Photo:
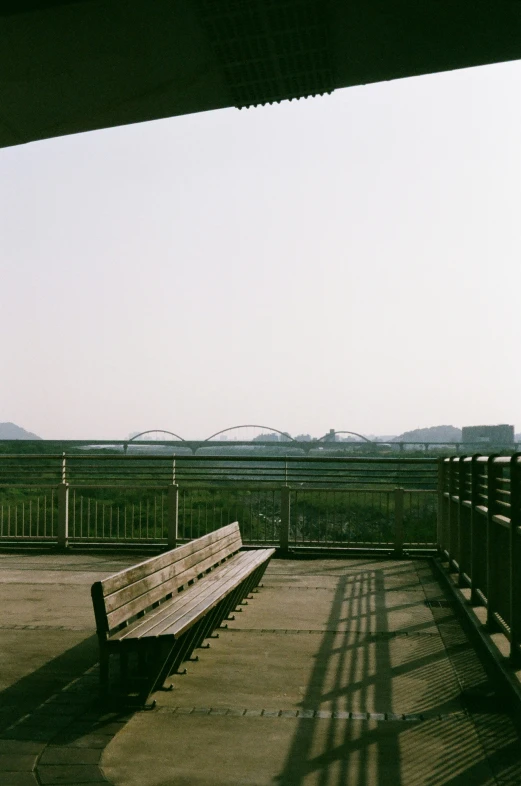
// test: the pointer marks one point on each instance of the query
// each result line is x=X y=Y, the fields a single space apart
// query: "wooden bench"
x=164 y=608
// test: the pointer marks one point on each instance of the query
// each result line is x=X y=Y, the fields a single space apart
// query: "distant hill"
x=432 y=434
x=12 y=431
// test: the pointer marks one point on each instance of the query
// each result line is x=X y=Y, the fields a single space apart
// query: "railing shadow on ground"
x=382 y=748
x=338 y=743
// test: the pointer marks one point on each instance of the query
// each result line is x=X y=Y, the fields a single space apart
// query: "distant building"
x=489 y=435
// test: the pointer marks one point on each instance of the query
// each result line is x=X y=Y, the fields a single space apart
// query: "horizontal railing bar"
x=257 y=470
x=29 y=486
x=226 y=458
x=480 y=459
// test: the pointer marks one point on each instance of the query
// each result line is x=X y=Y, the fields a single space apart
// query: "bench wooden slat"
x=176 y=574
x=175 y=605
x=220 y=591
x=157 y=620
x=215 y=591
x=158 y=594
x=136 y=572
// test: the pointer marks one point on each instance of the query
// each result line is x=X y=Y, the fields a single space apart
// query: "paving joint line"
x=45 y=627
x=309 y=713
x=333 y=589
x=384 y=635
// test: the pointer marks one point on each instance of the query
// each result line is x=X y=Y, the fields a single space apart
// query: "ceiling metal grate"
x=270 y=50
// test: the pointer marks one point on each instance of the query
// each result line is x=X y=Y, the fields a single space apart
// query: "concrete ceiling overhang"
x=68 y=66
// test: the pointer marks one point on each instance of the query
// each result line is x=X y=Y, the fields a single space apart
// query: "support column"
x=491 y=593
x=173 y=515
x=439 y=519
x=475 y=543
x=398 y=522
x=515 y=559
x=63 y=507
x=285 y=512
x=63 y=516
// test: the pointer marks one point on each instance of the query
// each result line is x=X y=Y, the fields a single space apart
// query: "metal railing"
x=112 y=470
x=293 y=502
x=32 y=515
x=479 y=531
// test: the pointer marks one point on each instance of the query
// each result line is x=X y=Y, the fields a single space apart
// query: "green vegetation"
x=340 y=517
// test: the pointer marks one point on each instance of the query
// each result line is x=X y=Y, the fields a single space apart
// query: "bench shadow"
x=29 y=692
x=58 y=705
x=361 y=750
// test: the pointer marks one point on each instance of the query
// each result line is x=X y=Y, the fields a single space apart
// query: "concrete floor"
x=336 y=672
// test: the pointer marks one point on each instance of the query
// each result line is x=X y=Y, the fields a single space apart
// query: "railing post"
x=63 y=508
x=398 y=522
x=461 y=514
x=515 y=558
x=173 y=515
x=474 y=524
x=285 y=512
x=451 y=523
x=439 y=518
x=492 y=475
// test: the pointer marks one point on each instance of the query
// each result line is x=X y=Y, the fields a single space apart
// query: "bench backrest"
x=120 y=597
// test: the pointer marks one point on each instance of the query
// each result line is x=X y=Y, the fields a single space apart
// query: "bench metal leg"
x=228 y=605
x=187 y=643
x=103 y=671
x=158 y=655
x=166 y=651
x=123 y=669
x=247 y=586
x=205 y=626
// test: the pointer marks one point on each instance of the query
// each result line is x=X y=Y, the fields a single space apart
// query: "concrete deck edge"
x=496 y=664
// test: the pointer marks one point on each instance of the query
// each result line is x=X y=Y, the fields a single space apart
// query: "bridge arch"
x=353 y=433
x=251 y=425
x=156 y=431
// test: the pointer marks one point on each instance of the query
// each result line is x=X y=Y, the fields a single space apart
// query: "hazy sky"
x=348 y=262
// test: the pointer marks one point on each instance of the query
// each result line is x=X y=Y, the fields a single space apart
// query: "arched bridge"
x=156 y=431
x=270 y=429
x=173 y=440
x=334 y=433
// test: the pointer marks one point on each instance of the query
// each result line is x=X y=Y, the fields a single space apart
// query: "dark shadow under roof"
x=75 y=65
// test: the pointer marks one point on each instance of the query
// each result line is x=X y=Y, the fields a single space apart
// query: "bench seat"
x=165 y=607
x=176 y=615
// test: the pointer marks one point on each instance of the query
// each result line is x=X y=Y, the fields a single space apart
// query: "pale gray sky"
x=348 y=262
